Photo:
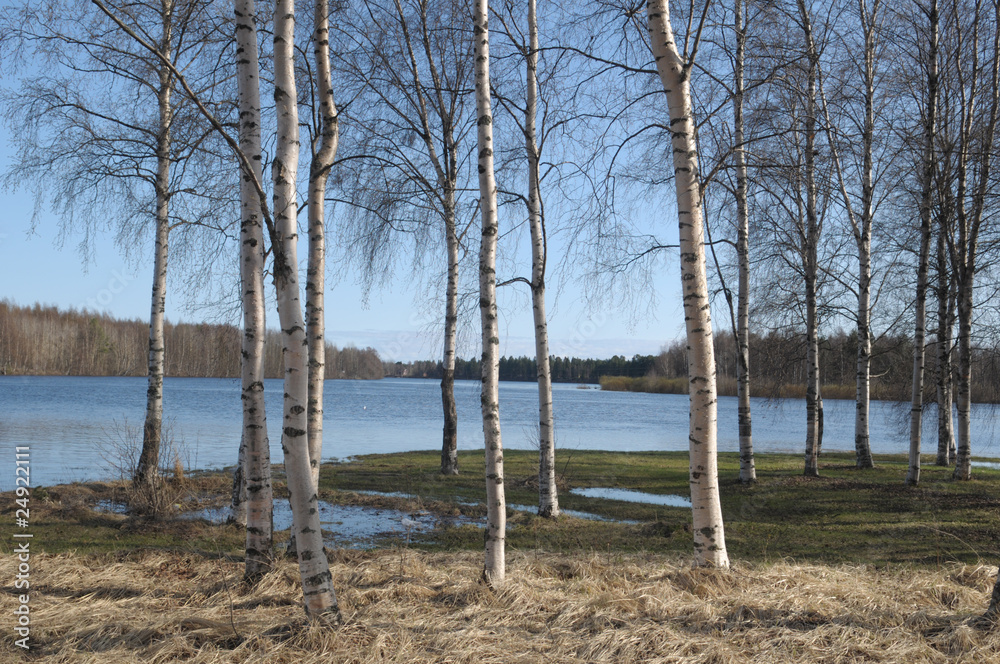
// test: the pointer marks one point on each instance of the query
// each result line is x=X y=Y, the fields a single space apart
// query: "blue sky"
x=37 y=265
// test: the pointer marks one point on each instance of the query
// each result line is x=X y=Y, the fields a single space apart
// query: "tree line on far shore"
x=46 y=341
x=780 y=358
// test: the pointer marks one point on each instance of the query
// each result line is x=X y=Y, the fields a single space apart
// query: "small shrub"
x=121 y=451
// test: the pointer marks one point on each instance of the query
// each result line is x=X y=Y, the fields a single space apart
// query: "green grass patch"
x=845 y=515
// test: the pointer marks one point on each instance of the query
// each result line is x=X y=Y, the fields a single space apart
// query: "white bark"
x=494 y=569
x=239 y=497
x=548 y=500
x=926 y=210
x=319 y=173
x=257 y=455
x=809 y=254
x=317 y=584
x=748 y=472
x=946 y=428
x=147 y=470
x=977 y=143
x=863 y=239
x=449 y=440
x=675 y=71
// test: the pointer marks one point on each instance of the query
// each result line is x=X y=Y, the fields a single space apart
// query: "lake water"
x=67 y=421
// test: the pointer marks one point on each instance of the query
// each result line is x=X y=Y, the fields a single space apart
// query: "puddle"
x=388 y=494
x=111 y=506
x=516 y=508
x=349 y=526
x=579 y=515
x=628 y=495
x=995 y=465
x=344 y=526
x=357 y=527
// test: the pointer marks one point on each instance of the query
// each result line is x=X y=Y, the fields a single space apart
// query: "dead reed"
x=409 y=606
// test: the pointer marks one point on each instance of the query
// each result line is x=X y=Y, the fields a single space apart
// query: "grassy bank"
x=844 y=516
x=851 y=566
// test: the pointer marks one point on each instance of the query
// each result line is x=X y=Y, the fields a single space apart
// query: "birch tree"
x=409 y=65
x=527 y=47
x=255 y=457
x=317 y=584
x=674 y=69
x=975 y=71
x=100 y=121
x=494 y=569
x=810 y=240
x=324 y=153
x=748 y=472
x=930 y=64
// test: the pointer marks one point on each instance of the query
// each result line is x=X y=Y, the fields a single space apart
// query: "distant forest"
x=45 y=341
x=564 y=369
x=39 y=340
x=777 y=361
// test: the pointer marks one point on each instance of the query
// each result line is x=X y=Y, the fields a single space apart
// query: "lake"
x=68 y=421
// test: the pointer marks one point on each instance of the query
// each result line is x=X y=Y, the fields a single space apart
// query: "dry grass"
x=406 y=606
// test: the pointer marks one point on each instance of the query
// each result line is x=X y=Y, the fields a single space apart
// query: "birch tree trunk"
x=946 y=430
x=319 y=172
x=257 y=454
x=317 y=584
x=810 y=241
x=809 y=259
x=748 y=472
x=494 y=569
x=977 y=142
x=548 y=500
x=863 y=238
x=449 y=441
x=147 y=470
x=963 y=460
x=675 y=72
x=238 y=495
x=926 y=209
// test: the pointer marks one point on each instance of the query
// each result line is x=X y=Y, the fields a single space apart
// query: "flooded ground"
x=631 y=496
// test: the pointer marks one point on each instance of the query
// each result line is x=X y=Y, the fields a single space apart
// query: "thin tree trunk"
x=319 y=173
x=494 y=569
x=147 y=470
x=963 y=460
x=809 y=261
x=317 y=584
x=748 y=472
x=548 y=500
x=946 y=430
x=449 y=442
x=926 y=209
x=257 y=457
x=819 y=418
x=863 y=237
x=978 y=139
x=862 y=442
x=675 y=71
